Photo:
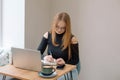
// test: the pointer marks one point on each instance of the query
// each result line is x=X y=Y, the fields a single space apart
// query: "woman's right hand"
x=49 y=58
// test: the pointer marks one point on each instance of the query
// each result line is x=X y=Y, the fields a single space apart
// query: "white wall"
x=37 y=13
x=96 y=23
x=99 y=39
x=13 y=23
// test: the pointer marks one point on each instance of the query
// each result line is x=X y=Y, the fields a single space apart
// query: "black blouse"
x=57 y=51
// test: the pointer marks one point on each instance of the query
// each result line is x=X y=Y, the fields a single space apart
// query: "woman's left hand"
x=60 y=61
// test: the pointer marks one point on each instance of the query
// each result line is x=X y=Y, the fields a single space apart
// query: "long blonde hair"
x=66 y=40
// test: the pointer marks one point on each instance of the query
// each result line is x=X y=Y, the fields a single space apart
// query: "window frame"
x=0 y=23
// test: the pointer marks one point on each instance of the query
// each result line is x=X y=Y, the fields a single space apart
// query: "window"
x=12 y=23
x=0 y=23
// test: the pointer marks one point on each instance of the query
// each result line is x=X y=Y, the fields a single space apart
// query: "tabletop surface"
x=10 y=70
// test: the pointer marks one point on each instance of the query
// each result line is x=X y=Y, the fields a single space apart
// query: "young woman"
x=62 y=44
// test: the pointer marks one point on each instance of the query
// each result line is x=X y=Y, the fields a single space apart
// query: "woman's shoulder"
x=46 y=34
x=74 y=39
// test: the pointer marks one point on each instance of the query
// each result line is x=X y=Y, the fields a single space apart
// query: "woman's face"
x=61 y=27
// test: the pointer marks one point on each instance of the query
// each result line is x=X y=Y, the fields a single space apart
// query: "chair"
x=78 y=67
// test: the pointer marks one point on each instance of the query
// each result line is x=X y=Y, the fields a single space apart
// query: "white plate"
x=48 y=63
x=47 y=76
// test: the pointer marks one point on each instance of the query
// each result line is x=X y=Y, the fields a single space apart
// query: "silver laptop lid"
x=26 y=59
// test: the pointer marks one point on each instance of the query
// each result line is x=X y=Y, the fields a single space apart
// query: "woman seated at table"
x=62 y=44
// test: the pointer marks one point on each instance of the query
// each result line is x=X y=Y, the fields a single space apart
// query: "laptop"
x=26 y=59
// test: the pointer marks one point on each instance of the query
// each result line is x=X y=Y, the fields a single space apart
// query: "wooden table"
x=10 y=70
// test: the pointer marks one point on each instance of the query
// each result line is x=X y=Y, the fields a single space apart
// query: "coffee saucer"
x=47 y=76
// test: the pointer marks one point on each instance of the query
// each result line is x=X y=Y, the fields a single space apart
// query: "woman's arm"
x=74 y=51
x=43 y=43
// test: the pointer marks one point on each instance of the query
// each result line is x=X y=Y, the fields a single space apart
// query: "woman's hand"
x=60 y=61
x=49 y=58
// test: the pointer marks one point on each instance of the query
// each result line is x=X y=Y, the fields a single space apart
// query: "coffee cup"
x=47 y=70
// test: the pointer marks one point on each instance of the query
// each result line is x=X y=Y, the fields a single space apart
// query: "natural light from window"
x=13 y=23
x=0 y=23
